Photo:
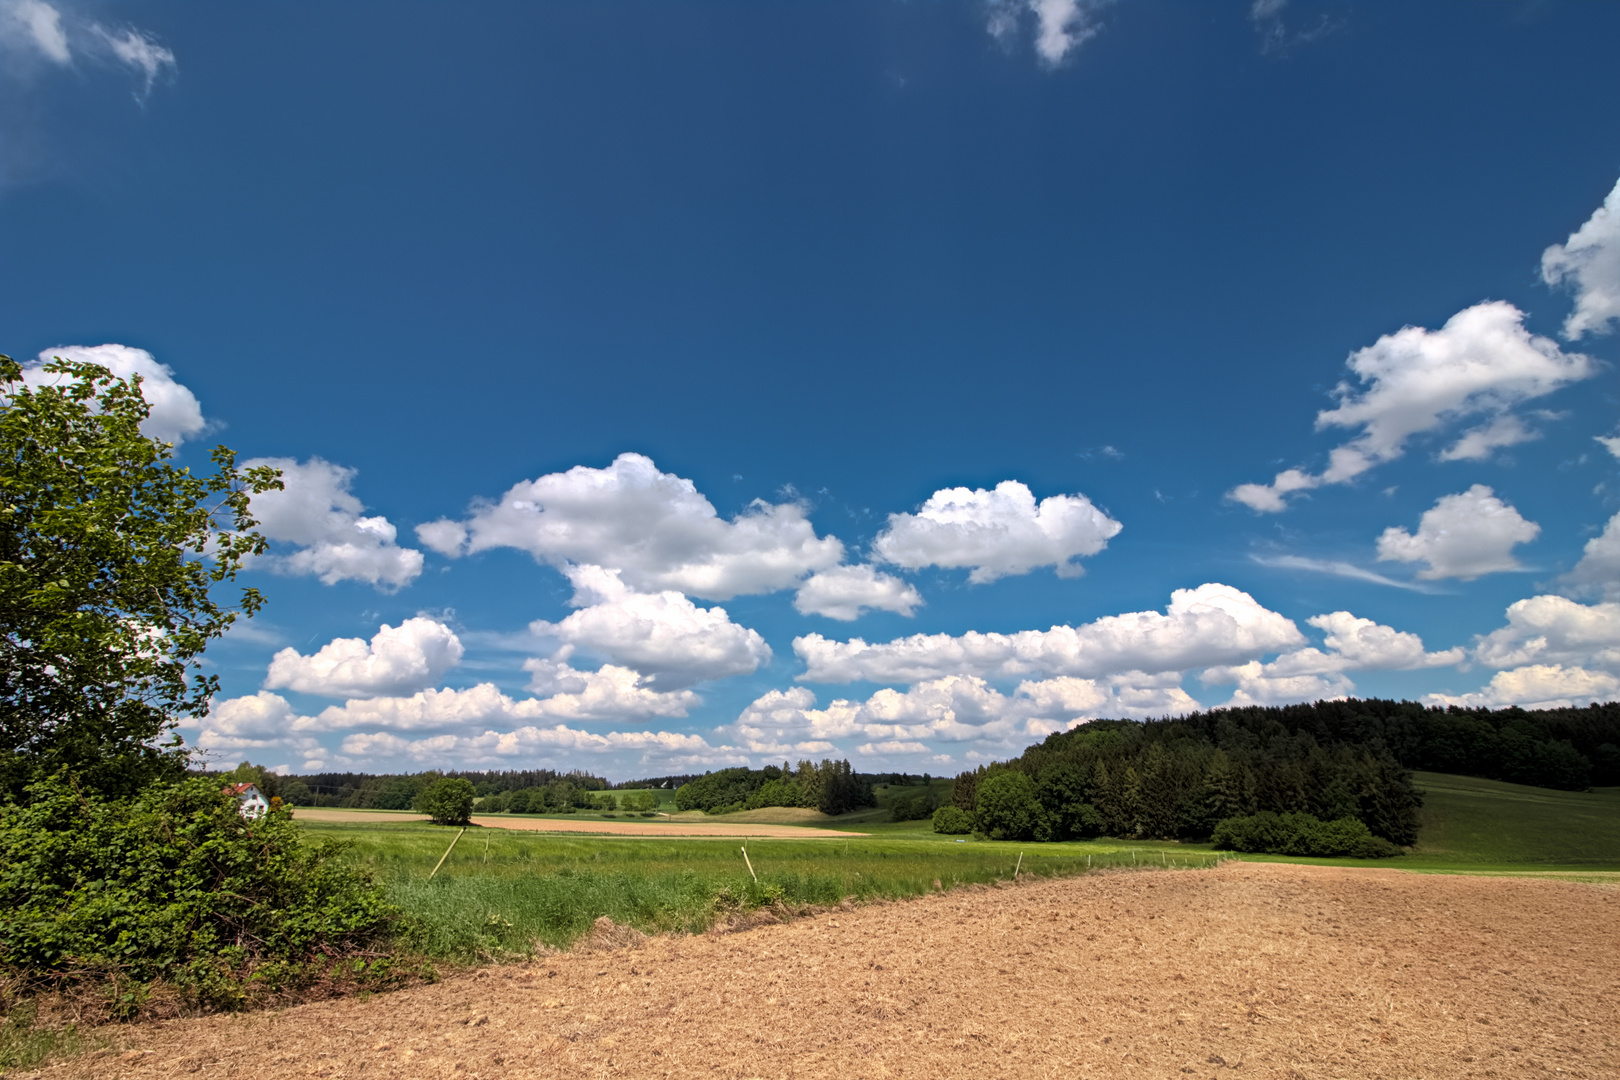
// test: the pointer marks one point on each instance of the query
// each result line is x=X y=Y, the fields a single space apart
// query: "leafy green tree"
x=1008 y=808
x=108 y=555
x=448 y=801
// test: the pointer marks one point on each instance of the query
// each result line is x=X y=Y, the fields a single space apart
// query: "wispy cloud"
x=36 y=30
x=1276 y=36
x=1338 y=568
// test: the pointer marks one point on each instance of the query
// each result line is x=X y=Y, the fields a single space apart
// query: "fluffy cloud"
x=1311 y=674
x=660 y=635
x=996 y=533
x=479 y=724
x=1537 y=686
x=610 y=695
x=398 y=660
x=1060 y=26
x=1462 y=536
x=317 y=512
x=1554 y=630
x=1361 y=644
x=260 y=725
x=846 y=592
x=175 y=413
x=1258 y=685
x=645 y=751
x=1589 y=263
x=1480 y=365
x=953 y=709
x=1212 y=624
x=654 y=527
x=1598 y=572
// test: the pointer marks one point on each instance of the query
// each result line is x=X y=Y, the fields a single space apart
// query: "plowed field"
x=1244 y=971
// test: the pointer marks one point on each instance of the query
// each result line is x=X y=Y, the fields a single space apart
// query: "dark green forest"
x=1280 y=776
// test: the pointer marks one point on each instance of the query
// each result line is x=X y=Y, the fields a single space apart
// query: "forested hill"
x=1572 y=749
x=1179 y=778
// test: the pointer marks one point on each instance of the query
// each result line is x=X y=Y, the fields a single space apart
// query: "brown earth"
x=600 y=828
x=1247 y=970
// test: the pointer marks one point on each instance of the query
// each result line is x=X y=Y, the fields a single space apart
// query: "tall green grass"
x=506 y=892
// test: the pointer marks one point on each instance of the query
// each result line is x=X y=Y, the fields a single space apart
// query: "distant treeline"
x=831 y=787
x=395 y=791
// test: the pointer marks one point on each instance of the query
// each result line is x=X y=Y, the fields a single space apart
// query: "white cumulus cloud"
x=175 y=414
x=1598 y=572
x=1480 y=365
x=643 y=752
x=1312 y=674
x=1554 y=630
x=653 y=527
x=1212 y=624
x=260 y=726
x=951 y=710
x=660 y=635
x=1589 y=263
x=611 y=694
x=397 y=660
x=1537 y=686
x=1462 y=536
x=847 y=592
x=317 y=512
x=996 y=533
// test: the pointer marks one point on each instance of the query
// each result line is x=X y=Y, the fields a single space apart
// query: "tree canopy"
x=109 y=554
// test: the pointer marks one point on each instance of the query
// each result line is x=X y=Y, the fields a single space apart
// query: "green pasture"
x=504 y=891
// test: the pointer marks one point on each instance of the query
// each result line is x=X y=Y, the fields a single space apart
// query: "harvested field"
x=598 y=828
x=1248 y=970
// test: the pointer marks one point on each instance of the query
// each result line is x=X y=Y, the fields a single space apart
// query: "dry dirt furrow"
x=1243 y=971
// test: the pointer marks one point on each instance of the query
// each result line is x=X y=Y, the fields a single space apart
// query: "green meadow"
x=504 y=892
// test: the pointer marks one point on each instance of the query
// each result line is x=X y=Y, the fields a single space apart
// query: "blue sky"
x=662 y=386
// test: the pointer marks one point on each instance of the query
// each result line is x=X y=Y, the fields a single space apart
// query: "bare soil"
x=600 y=828
x=1247 y=970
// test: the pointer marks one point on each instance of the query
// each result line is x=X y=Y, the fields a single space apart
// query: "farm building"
x=252 y=804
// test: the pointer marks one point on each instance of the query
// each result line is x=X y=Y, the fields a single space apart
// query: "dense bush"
x=448 y=801
x=174 y=885
x=1300 y=834
x=953 y=821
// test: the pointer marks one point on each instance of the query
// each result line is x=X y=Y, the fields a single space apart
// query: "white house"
x=253 y=805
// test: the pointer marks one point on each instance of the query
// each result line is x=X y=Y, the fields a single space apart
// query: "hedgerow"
x=174 y=888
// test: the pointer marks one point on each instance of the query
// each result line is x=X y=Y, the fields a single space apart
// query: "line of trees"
x=832 y=787
x=399 y=791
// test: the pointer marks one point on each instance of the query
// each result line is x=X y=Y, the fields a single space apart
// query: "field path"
x=598 y=828
x=1241 y=972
